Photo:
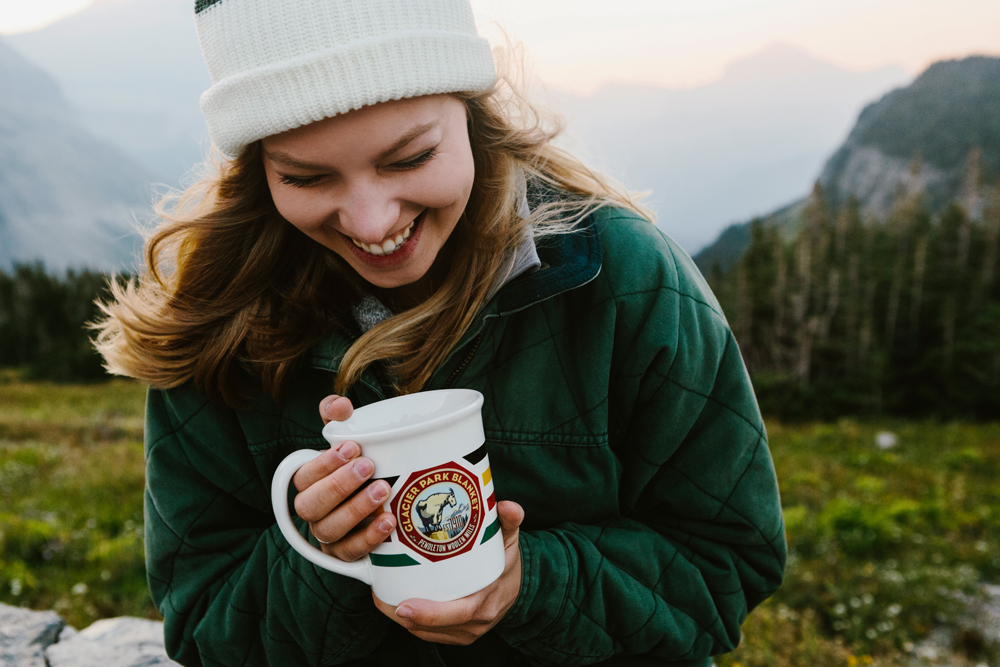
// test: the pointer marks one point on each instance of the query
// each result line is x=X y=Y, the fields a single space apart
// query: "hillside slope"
x=953 y=107
x=737 y=147
x=134 y=70
x=66 y=197
x=944 y=114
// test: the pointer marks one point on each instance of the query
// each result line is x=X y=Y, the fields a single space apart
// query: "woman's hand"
x=466 y=620
x=348 y=527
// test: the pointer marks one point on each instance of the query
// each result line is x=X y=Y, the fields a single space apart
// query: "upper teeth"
x=388 y=246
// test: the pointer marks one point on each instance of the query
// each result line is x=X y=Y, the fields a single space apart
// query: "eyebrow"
x=287 y=160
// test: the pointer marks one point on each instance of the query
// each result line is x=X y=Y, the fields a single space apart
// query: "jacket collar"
x=568 y=261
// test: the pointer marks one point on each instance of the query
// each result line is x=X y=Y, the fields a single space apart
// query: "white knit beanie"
x=280 y=64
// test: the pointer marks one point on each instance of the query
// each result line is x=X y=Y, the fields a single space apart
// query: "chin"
x=391 y=278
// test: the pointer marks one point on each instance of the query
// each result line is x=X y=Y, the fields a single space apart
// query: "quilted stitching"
x=618 y=414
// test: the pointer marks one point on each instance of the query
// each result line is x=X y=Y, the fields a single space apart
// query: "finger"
x=511 y=515
x=455 y=636
x=351 y=528
x=386 y=609
x=325 y=464
x=362 y=541
x=335 y=408
x=321 y=498
x=438 y=615
x=458 y=638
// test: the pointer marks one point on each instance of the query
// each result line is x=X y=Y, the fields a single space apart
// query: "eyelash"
x=299 y=182
x=415 y=163
x=418 y=161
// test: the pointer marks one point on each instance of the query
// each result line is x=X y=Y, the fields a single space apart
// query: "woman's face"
x=382 y=186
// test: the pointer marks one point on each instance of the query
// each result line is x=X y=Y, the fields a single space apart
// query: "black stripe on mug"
x=477 y=456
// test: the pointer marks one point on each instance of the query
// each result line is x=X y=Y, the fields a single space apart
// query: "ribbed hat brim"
x=251 y=105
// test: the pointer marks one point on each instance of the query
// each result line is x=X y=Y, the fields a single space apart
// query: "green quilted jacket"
x=618 y=413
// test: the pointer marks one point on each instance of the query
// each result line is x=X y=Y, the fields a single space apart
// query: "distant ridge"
x=758 y=134
x=134 y=70
x=743 y=144
x=951 y=108
x=66 y=198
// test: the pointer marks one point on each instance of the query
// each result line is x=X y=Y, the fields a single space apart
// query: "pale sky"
x=580 y=44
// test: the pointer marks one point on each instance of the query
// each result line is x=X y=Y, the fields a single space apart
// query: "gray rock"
x=987 y=614
x=66 y=633
x=112 y=642
x=980 y=618
x=24 y=635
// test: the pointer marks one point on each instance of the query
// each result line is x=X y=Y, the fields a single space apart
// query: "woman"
x=391 y=220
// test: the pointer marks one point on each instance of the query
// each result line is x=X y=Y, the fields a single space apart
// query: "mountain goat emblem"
x=432 y=507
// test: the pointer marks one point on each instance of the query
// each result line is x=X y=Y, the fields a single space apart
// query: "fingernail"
x=404 y=612
x=377 y=491
x=364 y=467
x=347 y=451
x=385 y=525
x=326 y=403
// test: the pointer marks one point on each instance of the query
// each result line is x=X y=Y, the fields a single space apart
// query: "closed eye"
x=299 y=182
x=407 y=165
x=418 y=161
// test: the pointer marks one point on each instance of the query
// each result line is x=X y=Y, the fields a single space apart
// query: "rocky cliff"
x=949 y=110
x=918 y=137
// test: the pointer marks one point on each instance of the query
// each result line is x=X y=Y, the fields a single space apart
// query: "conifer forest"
x=853 y=315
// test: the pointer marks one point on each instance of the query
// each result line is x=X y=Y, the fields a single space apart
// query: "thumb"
x=335 y=408
x=511 y=515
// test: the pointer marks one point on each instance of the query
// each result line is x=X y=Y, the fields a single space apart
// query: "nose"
x=368 y=212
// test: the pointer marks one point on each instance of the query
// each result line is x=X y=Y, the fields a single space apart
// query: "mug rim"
x=331 y=433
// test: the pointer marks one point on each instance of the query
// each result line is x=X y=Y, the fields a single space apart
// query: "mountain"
x=759 y=134
x=948 y=111
x=729 y=150
x=135 y=71
x=953 y=107
x=66 y=197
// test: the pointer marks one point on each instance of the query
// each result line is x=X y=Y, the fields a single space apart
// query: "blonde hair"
x=233 y=294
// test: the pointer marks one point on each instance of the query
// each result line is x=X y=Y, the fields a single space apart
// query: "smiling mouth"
x=391 y=245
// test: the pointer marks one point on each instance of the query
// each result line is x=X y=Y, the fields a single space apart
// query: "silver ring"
x=319 y=540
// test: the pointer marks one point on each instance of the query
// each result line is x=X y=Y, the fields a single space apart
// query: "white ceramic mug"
x=430 y=448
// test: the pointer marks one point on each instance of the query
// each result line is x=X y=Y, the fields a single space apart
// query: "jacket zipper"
x=375 y=370
x=465 y=362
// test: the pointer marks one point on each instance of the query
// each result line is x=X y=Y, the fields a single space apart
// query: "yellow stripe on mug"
x=487 y=476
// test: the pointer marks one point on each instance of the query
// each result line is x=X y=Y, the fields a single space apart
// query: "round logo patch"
x=439 y=511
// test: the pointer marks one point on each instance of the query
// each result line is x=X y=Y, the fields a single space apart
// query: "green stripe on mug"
x=395 y=560
x=491 y=530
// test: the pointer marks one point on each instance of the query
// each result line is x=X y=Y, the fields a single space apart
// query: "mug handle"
x=359 y=569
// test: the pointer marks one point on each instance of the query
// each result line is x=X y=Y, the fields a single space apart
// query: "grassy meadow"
x=71 y=479
x=882 y=538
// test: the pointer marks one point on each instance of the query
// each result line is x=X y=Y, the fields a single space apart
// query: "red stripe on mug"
x=491 y=501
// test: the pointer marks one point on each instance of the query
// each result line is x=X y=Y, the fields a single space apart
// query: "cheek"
x=449 y=184
x=305 y=209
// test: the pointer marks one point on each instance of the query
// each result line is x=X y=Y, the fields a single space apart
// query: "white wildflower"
x=886 y=440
